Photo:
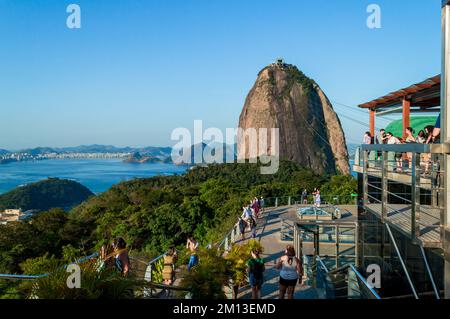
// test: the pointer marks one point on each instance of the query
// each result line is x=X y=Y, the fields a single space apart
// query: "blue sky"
x=137 y=69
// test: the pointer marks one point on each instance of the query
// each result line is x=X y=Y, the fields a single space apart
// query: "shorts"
x=288 y=282
x=255 y=281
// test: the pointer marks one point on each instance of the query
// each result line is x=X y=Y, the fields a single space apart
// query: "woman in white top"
x=291 y=272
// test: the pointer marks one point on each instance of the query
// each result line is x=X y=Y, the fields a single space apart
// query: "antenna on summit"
x=279 y=63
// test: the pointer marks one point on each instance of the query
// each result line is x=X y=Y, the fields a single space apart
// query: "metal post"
x=415 y=196
x=402 y=262
x=289 y=201
x=357 y=261
x=276 y=202
x=430 y=274
x=365 y=177
x=336 y=232
x=384 y=186
x=445 y=137
x=296 y=237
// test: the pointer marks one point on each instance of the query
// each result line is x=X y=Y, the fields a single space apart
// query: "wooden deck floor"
x=399 y=216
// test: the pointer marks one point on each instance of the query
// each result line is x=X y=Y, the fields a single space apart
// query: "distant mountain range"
x=152 y=151
x=95 y=148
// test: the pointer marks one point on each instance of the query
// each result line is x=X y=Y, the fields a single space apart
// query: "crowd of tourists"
x=115 y=256
x=251 y=213
x=401 y=161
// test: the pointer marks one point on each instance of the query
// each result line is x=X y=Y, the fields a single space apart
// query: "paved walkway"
x=269 y=234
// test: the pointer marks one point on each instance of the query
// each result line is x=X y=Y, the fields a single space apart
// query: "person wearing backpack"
x=122 y=260
x=255 y=269
x=169 y=266
x=291 y=272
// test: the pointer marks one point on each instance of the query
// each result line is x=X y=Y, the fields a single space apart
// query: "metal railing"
x=344 y=282
x=421 y=167
x=33 y=277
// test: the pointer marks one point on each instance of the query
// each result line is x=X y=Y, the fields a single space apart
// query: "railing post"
x=384 y=186
x=337 y=245
x=365 y=177
x=415 y=196
x=276 y=202
x=289 y=201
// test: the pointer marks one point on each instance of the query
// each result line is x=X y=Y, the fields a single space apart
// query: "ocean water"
x=96 y=174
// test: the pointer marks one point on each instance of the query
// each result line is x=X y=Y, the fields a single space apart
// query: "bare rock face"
x=310 y=132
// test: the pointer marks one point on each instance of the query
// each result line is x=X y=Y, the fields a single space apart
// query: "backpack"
x=257 y=268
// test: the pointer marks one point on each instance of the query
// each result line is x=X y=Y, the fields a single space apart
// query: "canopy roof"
x=423 y=95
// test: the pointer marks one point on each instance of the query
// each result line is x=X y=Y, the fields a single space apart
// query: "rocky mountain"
x=310 y=131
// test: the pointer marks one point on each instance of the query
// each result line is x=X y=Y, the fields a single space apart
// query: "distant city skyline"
x=136 y=70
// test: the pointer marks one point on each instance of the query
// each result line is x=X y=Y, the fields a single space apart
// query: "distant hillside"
x=46 y=194
x=149 y=150
x=3 y=152
x=229 y=152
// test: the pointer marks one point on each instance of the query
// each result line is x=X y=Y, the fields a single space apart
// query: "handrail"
x=32 y=277
x=409 y=147
x=322 y=264
x=401 y=261
x=364 y=281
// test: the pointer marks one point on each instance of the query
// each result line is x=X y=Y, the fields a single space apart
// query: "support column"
x=365 y=178
x=372 y=122
x=384 y=186
x=445 y=137
x=415 y=197
x=406 y=115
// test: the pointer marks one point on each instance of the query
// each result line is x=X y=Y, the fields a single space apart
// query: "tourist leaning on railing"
x=409 y=132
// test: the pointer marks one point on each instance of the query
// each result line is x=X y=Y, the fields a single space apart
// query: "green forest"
x=153 y=214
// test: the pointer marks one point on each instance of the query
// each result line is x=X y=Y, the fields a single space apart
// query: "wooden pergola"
x=417 y=98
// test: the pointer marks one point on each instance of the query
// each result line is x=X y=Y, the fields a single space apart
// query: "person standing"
x=255 y=207
x=255 y=270
x=304 y=200
x=421 y=137
x=242 y=227
x=261 y=203
x=253 y=227
x=169 y=266
x=122 y=260
x=291 y=272
x=409 y=132
x=317 y=199
x=192 y=246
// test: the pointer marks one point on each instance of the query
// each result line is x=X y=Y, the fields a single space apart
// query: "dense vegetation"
x=153 y=214
x=44 y=195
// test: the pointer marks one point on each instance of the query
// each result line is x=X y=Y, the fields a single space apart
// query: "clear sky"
x=137 y=69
